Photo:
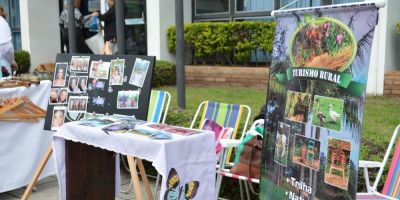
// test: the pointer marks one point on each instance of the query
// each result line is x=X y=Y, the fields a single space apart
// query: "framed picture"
x=128 y=99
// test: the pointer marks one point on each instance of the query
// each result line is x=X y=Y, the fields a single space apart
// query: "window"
x=12 y=9
x=211 y=6
x=254 y=5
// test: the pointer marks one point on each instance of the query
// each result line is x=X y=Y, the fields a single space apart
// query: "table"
x=23 y=144
x=191 y=157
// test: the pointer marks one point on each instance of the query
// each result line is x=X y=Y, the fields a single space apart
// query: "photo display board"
x=98 y=85
x=315 y=102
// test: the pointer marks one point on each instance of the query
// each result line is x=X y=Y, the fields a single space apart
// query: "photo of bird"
x=334 y=116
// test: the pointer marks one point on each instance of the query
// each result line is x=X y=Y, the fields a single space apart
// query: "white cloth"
x=23 y=144
x=193 y=157
x=5 y=31
x=6 y=46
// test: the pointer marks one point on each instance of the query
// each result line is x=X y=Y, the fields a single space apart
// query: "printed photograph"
x=62 y=95
x=96 y=85
x=53 y=96
x=58 y=117
x=338 y=162
x=325 y=43
x=128 y=99
x=306 y=152
x=328 y=112
x=73 y=84
x=99 y=69
x=82 y=84
x=77 y=104
x=60 y=74
x=173 y=129
x=297 y=106
x=139 y=72
x=117 y=71
x=93 y=115
x=75 y=61
x=282 y=144
x=85 y=61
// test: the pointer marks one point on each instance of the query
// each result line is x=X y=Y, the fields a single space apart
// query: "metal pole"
x=71 y=27
x=120 y=21
x=180 y=54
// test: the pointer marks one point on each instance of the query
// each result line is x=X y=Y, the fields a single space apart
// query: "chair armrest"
x=369 y=164
x=228 y=143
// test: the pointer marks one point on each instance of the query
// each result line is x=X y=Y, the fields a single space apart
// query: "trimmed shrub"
x=164 y=73
x=22 y=58
x=232 y=42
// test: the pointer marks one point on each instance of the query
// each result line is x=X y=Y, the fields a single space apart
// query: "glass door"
x=135 y=21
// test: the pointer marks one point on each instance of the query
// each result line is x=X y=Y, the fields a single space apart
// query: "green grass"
x=381 y=116
x=255 y=98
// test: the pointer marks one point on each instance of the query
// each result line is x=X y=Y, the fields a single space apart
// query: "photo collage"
x=294 y=145
x=82 y=82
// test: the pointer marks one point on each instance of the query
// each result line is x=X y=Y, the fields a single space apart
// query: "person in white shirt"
x=6 y=46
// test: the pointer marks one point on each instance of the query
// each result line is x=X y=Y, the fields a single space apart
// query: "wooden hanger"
x=26 y=111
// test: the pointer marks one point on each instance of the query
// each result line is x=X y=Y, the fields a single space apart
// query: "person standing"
x=6 y=46
x=110 y=27
x=64 y=25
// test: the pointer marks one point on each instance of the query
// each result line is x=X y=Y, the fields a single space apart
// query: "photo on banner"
x=317 y=84
x=99 y=70
x=60 y=73
x=58 y=117
x=117 y=71
x=139 y=72
x=128 y=99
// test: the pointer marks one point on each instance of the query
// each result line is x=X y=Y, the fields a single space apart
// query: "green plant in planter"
x=22 y=58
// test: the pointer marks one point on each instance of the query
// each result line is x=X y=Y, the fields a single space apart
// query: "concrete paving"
x=47 y=189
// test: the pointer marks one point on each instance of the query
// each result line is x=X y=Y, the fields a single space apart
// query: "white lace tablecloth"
x=23 y=144
x=192 y=157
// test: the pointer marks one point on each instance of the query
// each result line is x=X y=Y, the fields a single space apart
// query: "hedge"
x=164 y=74
x=225 y=42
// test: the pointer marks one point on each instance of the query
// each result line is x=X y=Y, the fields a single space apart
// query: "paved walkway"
x=47 y=189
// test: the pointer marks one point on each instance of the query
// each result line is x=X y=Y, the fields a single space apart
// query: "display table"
x=23 y=144
x=191 y=157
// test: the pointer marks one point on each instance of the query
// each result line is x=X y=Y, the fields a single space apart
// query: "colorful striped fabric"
x=156 y=105
x=226 y=115
x=392 y=183
x=369 y=197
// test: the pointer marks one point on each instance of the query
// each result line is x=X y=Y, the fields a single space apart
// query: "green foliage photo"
x=225 y=43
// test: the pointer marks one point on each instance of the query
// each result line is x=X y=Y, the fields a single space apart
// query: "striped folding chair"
x=226 y=115
x=391 y=188
x=224 y=169
x=158 y=104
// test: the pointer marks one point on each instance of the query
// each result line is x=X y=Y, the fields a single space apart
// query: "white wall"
x=160 y=16
x=40 y=32
x=392 y=56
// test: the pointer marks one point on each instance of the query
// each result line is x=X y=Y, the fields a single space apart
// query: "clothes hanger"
x=26 y=111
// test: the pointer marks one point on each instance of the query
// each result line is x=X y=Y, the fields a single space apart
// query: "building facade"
x=35 y=26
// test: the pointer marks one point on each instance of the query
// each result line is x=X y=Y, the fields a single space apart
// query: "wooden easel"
x=132 y=161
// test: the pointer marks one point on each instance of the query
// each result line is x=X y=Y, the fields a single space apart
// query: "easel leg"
x=145 y=180
x=135 y=178
x=37 y=173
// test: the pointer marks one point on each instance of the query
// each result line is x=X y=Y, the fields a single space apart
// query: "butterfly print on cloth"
x=177 y=192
